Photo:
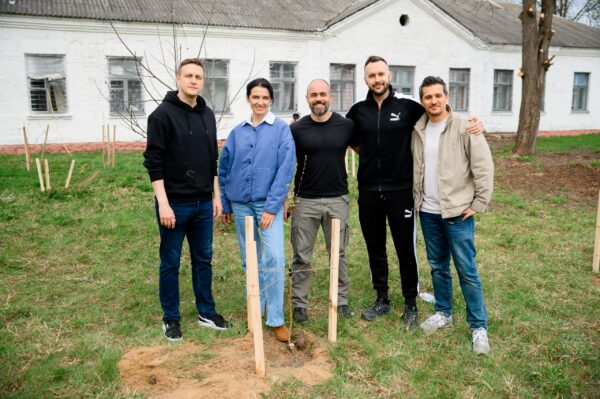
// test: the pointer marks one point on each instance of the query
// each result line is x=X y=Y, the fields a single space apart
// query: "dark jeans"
x=192 y=220
x=452 y=236
x=397 y=207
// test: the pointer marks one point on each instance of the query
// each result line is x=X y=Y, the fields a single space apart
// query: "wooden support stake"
x=39 y=170
x=47 y=170
x=252 y=275
x=103 y=147
x=70 y=173
x=45 y=141
x=353 y=164
x=249 y=224
x=114 y=142
x=596 y=263
x=346 y=160
x=334 y=263
x=27 y=153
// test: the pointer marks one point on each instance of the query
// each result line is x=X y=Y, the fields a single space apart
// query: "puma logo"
x=394 y=117
x=408 y=213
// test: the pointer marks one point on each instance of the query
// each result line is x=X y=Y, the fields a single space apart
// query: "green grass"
x=78 y=288
x=565 y=144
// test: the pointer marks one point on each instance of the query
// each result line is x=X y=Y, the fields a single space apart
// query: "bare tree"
x=168 y=59
x=536 y=33
x=585 y=11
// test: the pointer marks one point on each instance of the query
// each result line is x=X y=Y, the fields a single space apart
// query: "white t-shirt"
x=431 y=195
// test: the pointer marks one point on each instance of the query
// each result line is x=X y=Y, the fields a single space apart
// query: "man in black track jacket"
x=181 y=158
x=383 y=125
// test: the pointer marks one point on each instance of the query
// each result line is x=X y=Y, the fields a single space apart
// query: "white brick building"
x=61 y=62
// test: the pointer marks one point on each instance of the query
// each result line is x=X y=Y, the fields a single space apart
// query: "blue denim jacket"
x=257 y=164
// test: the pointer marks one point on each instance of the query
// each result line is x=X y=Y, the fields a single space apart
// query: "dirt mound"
x=223 y=370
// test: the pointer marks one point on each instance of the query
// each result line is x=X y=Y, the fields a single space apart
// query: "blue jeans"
x=270 y=255
x=445 y=237
x=193 y=220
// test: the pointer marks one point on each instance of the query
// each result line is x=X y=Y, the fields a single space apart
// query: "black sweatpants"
x=397 y=207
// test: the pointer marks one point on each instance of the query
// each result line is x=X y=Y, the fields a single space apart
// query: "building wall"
x=430 y=42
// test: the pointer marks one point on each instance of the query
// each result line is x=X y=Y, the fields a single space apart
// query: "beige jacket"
x=465 y=167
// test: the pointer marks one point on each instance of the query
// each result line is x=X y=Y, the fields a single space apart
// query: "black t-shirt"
x=321 y=146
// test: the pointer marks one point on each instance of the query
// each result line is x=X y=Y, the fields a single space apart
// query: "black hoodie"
x=384 y=139
x=182 y=148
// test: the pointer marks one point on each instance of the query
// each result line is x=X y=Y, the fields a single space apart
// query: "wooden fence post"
x=27 y=153
x=596 y=262
x=334 y=263
x=249 y=229
x=47 y=170
x=39 y=170
x=254 y=296
x=114 y=143
x=70 y=173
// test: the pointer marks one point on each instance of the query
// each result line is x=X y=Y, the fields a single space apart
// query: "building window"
x=47 y=83
x=125 y=86
x=503 y=79
x=216 y=84
x=458 y=89
x=341 y=83
x=403 y=79
x=581 y=82
x=283 y=80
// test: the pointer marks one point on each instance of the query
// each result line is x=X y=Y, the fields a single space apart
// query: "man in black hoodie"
x=181 y=158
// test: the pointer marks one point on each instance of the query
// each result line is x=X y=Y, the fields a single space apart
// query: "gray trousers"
x=309 y=215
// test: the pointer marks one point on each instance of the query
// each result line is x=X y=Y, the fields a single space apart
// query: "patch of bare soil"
x=571 y=176
x=224 y=370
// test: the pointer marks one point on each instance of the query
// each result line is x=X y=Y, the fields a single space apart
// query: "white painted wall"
x=431 y=42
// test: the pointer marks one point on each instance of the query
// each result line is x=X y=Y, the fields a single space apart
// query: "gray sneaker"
x=381 y=306
x=481 y=344
x=435 y=322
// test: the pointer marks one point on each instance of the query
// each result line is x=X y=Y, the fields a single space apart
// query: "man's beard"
x=386 y=87
x=319 y=112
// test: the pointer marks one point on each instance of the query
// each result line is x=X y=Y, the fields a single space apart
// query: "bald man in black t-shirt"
x=321 y=189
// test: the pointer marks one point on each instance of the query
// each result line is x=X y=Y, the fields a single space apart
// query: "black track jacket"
x=383 y=137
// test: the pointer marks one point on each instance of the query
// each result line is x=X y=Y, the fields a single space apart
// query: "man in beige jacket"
x=453 y=180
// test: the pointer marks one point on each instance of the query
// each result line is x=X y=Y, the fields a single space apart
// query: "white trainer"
x=436 y=322
x=481 y=344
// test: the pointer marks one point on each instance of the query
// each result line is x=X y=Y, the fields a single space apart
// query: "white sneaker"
x=481 y=344
x=436 y=322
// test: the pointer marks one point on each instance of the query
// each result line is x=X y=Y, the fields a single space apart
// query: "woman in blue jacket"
x=255 y=172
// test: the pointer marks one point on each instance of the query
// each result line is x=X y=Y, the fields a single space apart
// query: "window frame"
x=454 y=85
x=338 y=95
x=578 y=88
x=508 y=95
x=280 y=83
x=125 y=79
x=396 y=69
x=52 y=107
x=210 y=84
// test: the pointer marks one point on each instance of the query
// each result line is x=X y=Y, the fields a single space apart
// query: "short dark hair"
x=195 y=61
x=374 y=58
x=430 y=81
x=260 y=82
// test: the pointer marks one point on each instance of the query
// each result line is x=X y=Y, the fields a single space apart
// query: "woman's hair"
x=260 y=82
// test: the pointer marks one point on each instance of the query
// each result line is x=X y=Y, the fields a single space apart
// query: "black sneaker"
x=410 y=317
x=172 y=330
x=299 y=315
x=344 y=311
x=216 y=322
x=381 y=306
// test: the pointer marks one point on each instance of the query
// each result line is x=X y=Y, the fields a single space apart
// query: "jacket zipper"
x=378 y=150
